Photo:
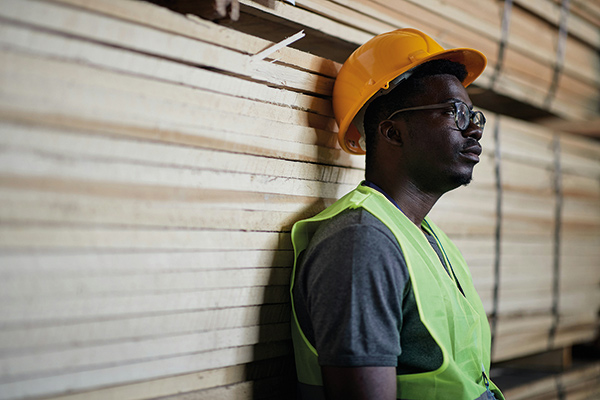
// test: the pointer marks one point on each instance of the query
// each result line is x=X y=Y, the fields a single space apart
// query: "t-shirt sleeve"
x=354 y=289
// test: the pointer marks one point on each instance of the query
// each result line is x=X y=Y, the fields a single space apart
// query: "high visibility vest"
x=456 y=322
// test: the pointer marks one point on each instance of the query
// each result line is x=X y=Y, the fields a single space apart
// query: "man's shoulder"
x=357 y=226
x=354 y=219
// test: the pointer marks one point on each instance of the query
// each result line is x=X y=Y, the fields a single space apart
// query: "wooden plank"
x=126 y=173
x=518 y=88
x=270 y=27
x=586 y=10
x=579 y=278
x=394 y=18
x=579 y=156
x=553 y=360
x=134 y=305
x=150 y=41
x=346 y=16
x=69 y=49
x=151 y=127
x=156 y=17
x=83 y=145
x=515 y=277
x=566 y=104
x=58 y=362
x=175 y=121
x=511 y=306
x=126 y=263
x=272 y=388
x=549 y=384
x=528 y=206
x=306 y=18
x=243 y=390
x=470 y=210
x=60 y=238
x=165 y=386
x=453 y=224
x=573 y=301
x=183 y=383
x=578 y=187
x=41 y=208
x=82 y=286
x=582 y=216
x=199 y=197
x=51 y=74
x=510 y=325
x=112 y=375
x=537 y=77
x=583 y=274
x=579 y=245
x=30 y=163
x=526 y=180
x=588 y=127
x=507 y=347
x=52 y=337
x=526 y=142
x=577 y=26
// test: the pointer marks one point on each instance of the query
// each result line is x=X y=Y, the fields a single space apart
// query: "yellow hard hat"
x=377 y=66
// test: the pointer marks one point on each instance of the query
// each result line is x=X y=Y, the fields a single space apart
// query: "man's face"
x=439 y=156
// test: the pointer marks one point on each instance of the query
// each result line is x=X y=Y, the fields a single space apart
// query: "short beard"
x=462 y=180
x=465 y=181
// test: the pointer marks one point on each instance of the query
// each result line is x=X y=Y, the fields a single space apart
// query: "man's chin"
x=463 y=180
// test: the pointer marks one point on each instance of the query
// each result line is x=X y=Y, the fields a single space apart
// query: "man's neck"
x=413 y=202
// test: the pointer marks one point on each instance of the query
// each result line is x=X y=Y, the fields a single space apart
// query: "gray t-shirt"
x=354 y=301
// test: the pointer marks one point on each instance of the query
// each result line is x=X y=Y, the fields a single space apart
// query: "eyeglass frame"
x=472 y=114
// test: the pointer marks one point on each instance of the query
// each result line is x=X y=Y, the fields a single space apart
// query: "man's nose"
x=474 y=131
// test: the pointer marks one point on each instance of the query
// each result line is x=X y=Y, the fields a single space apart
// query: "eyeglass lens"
x=464 y=115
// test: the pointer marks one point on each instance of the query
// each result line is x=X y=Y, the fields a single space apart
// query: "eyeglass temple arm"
x=428 y=107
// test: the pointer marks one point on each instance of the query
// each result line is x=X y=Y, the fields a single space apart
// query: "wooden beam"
x=589 y=128
x=151 y=369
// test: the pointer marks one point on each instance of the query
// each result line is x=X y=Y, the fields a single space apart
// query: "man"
x=383 y=303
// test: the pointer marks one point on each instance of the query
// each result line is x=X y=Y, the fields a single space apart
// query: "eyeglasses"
x=463 y=116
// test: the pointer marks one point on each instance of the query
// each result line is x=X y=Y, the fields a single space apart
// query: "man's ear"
x=390 y=131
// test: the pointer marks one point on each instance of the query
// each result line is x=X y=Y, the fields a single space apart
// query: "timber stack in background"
x=152 y=164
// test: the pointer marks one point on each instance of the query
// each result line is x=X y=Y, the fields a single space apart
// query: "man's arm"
x=348 y=296
x=359 y=383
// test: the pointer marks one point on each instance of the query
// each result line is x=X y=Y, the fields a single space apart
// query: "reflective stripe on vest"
x=457 y=323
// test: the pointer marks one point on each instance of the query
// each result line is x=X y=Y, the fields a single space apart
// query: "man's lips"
x=472 y=152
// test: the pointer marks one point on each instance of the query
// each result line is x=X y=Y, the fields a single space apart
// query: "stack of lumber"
x=151 y=168
x=538 y=53
x=577 y=383
x=150 y=173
